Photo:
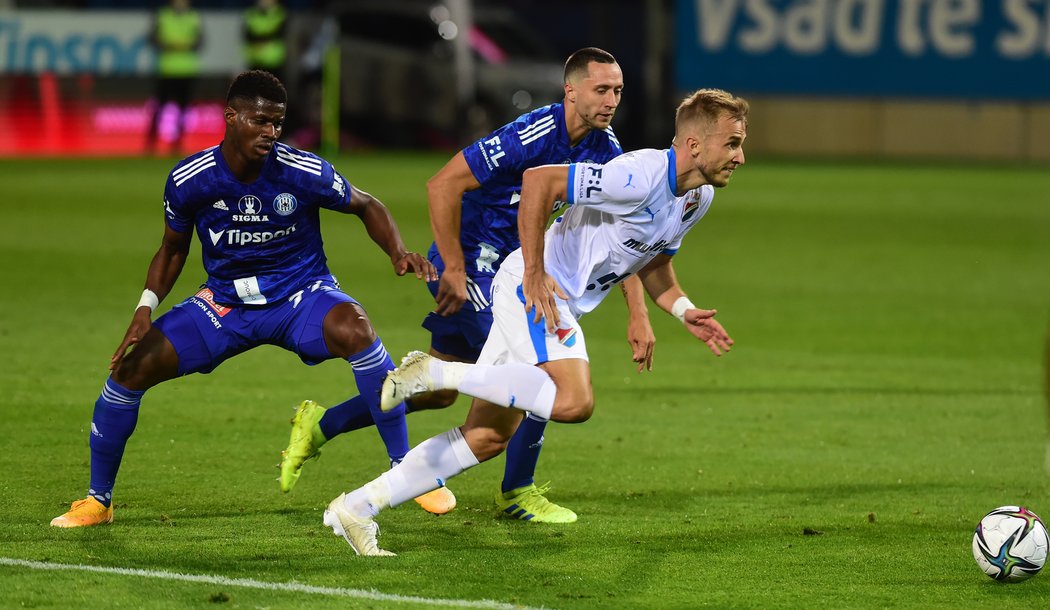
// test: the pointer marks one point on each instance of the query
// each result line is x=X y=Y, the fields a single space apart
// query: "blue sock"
x=370 y=368
x=523 y=451
x=116 y=412
x=348 y=416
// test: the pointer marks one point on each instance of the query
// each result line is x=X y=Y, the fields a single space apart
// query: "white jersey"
x=622 y=215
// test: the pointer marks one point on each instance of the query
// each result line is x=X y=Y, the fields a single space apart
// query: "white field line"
x=250 y=583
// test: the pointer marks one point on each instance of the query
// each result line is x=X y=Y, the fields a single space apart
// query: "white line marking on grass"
x=270 y=586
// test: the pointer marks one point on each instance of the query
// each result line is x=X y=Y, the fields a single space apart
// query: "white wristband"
x=149 y=299
x=680 y=306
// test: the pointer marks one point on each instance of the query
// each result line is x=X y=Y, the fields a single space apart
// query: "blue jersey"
x=261 y=241
x=489 y=221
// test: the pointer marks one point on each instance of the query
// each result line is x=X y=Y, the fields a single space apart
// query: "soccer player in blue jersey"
x=254 y=204
x=473 y=212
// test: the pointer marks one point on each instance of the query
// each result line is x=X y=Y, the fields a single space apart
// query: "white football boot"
x=360 y=532
x=412 y=377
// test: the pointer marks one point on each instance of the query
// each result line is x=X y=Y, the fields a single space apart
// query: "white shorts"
x=514 y=337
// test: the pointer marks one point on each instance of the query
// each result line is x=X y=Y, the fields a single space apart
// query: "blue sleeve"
x=500 y=153
x=334 y=190
x=177 y=212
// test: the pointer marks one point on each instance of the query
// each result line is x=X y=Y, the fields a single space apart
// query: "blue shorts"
x=463 y=333
x=205 y=334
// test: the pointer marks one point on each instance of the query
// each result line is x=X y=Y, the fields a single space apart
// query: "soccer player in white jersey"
x=474 y=215
x=625 y=217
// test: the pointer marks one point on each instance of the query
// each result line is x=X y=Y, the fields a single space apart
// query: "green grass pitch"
x=885 y=392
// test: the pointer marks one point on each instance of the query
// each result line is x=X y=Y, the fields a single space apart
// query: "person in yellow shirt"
x=265 y=48
x=177 y=38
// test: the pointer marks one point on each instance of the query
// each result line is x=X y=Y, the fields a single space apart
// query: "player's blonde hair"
x=707 y=106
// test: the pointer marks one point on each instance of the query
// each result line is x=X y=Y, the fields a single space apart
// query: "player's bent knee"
x=486 y=443
x=573 y=410
x=151 y=362
x=344 y=334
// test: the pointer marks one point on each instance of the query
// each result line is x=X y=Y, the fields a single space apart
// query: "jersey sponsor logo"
x=236 y=237
x=251 y=210
x=639 y=246
x=630 y=177
x=591 y=180
x=338 y=186
x=168 y=210
x=220 y=205
x=249 y=291
x=492 y=151
x=208 y=312
x=249 y=204
x=206 y=295
x=284 y=204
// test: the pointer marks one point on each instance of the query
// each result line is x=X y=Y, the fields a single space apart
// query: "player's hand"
x=417 y=263
x=642 y=341
x=451 y=293
x=140 y=325
x=702 y=323
x=539 y=290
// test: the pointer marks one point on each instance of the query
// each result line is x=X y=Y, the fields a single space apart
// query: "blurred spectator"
x=177 y=37
x=264 y=37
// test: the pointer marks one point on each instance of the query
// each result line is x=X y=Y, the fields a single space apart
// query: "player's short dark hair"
x=577 y=63
x=708 y=105
x=257 y=83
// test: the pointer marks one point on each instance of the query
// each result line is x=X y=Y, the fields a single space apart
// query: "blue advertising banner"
x=105 y=42
x=886 y=48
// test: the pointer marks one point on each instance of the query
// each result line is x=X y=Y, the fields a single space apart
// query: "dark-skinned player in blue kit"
x=254 y=204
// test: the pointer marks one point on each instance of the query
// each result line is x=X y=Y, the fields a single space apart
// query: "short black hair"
x=257 y=83
x=578 y=61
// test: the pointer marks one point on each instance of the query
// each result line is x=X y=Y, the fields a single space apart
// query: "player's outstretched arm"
x=163 y=270
x=384 y=232
x=660 y=282
x=445 y=200
x=540 y=188
x=640 y=334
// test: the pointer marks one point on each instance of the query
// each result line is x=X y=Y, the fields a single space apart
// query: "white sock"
x=522 y=386
x=425 y=468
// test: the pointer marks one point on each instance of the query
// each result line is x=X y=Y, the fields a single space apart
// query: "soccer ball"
x=1010 y=544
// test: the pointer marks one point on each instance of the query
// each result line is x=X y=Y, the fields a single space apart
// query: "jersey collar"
x=672 y=175
x=269 y=161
